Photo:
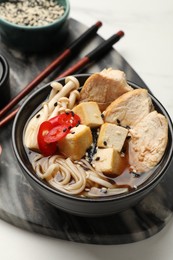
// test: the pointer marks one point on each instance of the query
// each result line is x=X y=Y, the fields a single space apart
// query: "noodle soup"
x=80 y=178
x=90 y=146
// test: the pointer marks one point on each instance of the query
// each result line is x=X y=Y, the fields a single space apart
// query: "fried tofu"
x=75 y=144
x=107 y=160
x=89 y=114
x=112 y=135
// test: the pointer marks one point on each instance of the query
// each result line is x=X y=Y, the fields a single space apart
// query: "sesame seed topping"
x=103 y=190
x=118 y=122
x=31 y=12
x=136 y=175
x=37 y=116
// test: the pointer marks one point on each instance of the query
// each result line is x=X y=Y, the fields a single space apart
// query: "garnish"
x=54 y=130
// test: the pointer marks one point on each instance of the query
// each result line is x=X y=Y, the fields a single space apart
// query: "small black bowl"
x=88 y=207
x=4 y=81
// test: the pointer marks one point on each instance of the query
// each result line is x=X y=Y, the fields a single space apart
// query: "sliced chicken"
x=129 y=109
x=148 y=142
x=104 y=87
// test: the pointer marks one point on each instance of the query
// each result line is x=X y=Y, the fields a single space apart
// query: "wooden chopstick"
x=92 y=56
x=71 y=49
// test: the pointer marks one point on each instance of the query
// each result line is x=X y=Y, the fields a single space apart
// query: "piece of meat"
x=129 y=109
x=148 y=142
x=104 y=87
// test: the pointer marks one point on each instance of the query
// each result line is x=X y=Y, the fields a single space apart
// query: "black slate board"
x=21 y=206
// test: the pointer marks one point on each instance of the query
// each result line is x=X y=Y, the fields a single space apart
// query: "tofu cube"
x=112 y=135
x=108 y=161
x=89 y=114
x=75 y=144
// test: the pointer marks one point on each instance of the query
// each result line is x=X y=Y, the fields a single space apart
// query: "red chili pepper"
x=69 y=119
x=56 y=134
x=45 y=148
x=54 y=130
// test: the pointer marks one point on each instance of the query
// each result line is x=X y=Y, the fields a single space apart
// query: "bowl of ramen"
x=93 y=144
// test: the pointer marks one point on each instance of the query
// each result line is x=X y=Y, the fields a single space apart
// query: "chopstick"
x=90 y=57
x=93 y=55
x=71 y=49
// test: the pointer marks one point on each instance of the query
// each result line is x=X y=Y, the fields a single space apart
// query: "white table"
x=147 y=46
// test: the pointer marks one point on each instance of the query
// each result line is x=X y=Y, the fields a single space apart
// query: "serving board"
x=21 y=206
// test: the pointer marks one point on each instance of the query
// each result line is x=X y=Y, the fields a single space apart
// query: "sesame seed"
x=135 y=175
x=31 y=12
x=122 y=154
x=105 y=143
x=37 y=116
x=123 y=150
x=118 y=122
x=103 y=190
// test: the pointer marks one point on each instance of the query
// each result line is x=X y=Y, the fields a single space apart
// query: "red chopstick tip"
x=120 y=34
x=99 y=24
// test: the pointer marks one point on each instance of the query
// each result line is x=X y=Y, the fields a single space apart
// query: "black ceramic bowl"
x=77 y=205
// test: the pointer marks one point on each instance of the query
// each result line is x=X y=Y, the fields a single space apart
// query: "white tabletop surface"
x=147 y=46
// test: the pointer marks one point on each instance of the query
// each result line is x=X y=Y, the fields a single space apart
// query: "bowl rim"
x=152 y=179
x=50 y=25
